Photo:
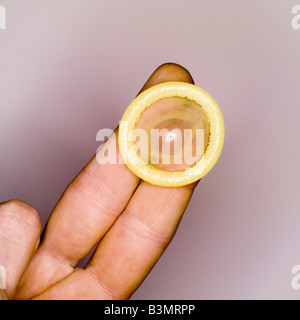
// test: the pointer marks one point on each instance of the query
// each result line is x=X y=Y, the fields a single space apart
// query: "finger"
x=86 y=211
x=135 y=242
x=83 y=215
x=20 y=229
x=138 y=238
x=140 y=235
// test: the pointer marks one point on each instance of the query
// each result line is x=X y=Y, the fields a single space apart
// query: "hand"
x=132 y=220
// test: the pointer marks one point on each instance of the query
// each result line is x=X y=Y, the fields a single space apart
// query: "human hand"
x=133 y=220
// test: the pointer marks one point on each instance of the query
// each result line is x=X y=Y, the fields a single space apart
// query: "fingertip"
x=22 y=211
x=168 y=71
x=175 y=71
x=20 y=228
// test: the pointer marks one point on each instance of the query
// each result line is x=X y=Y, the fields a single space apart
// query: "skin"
x=133 y=220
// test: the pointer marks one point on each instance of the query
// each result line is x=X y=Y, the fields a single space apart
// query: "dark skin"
x=134 y=220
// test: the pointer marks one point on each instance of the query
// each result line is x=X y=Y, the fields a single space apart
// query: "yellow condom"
x=197 y=97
